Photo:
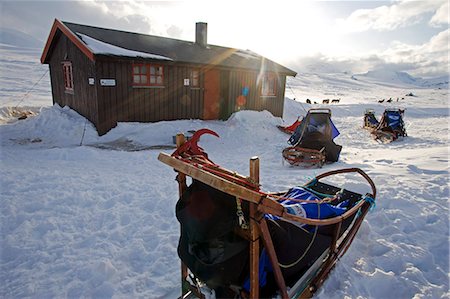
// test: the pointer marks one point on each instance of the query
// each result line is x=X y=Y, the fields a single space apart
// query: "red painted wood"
x=58 y=25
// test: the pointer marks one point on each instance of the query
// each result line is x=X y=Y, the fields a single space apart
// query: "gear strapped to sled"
x=312 y=141
x=370 y=121
x=290 y=241
x=389 y=128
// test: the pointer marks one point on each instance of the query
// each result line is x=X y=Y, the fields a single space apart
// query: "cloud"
x=427 y=60
x=387 y=18
x=36 y=18
x=175 y=31
x=441 y=16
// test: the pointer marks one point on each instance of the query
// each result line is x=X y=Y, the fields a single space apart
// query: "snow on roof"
x=99 y=47
x=247 y=54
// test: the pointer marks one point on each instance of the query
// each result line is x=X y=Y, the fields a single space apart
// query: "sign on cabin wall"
x=91 y=81
x=108 y=82
x=186 y=82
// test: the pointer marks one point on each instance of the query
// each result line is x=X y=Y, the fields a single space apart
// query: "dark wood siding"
x=226 y=107
x=274 y=104
x=83 y=98
x=234 y=83
x=124 y=102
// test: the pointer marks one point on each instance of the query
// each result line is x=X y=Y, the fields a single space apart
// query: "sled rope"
x=242 y=223
x=84 y=131
x=371 y=201
x=29 y=90
x=307 y=249
x=295 y=96
x=327 y=199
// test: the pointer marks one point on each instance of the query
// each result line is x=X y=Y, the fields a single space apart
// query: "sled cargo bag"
x=370 y=121
x=208 y=245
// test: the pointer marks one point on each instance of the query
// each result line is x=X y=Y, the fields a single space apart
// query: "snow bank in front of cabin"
x=81 y=221
x=99 y=47
x=52 y=127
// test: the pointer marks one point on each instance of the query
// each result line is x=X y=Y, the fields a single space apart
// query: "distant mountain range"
x=395 y=77
x=17 y=38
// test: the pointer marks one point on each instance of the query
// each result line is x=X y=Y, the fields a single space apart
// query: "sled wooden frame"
x=259 y=205
x=292 y=155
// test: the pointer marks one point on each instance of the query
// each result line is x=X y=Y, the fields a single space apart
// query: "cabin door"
x=212 y=94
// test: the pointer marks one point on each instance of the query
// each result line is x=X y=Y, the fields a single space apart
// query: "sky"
x=320 y=36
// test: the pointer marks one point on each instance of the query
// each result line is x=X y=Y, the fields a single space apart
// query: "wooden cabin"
x=112 y=76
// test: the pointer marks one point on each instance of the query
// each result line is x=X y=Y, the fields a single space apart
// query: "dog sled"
x=290 y=129
x=370 y=121
x=238 y=241
x=312 y=141
x=390 y=127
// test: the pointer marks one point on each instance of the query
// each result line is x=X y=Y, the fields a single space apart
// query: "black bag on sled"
x=208 y=245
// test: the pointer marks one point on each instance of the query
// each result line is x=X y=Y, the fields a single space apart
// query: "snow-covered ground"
x=94 y=217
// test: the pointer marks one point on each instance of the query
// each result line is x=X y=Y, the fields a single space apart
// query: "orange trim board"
x=58 y=25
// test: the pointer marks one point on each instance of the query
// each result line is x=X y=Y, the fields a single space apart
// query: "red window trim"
x=267 y=78
x=147 y=67
x=68 y=75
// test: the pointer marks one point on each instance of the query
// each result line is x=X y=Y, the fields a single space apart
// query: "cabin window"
x=195 y=78
x=68 y=76
x=148 y=75
x=269 y=85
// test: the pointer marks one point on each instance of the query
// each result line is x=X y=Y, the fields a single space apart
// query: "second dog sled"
x=312 y=141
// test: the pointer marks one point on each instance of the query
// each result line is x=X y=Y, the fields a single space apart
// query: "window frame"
x=67 y=76
x=266 y=90
x=195 y=78
x=148 y=73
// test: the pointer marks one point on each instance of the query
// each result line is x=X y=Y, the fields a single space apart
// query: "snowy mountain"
x=389 y=76
x=84 y=216
x=18 y=38
x=402 y=78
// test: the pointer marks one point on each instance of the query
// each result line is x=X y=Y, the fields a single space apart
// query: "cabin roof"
x=129 y=44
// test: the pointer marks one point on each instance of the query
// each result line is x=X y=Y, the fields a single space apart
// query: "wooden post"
x=181 y=179
x=254 y=234
x=267 y=240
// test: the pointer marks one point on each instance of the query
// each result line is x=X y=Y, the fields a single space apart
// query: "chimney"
x=201 y=34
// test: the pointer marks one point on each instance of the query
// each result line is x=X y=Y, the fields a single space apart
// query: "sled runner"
x=238 y=241
x=391 y=126
x=370 y=121
x=290 y=129
x=312 y=141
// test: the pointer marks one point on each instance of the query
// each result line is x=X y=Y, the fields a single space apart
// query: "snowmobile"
x=390 y=127
x=238 y=241
x=312 y=141
x=370 y=121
